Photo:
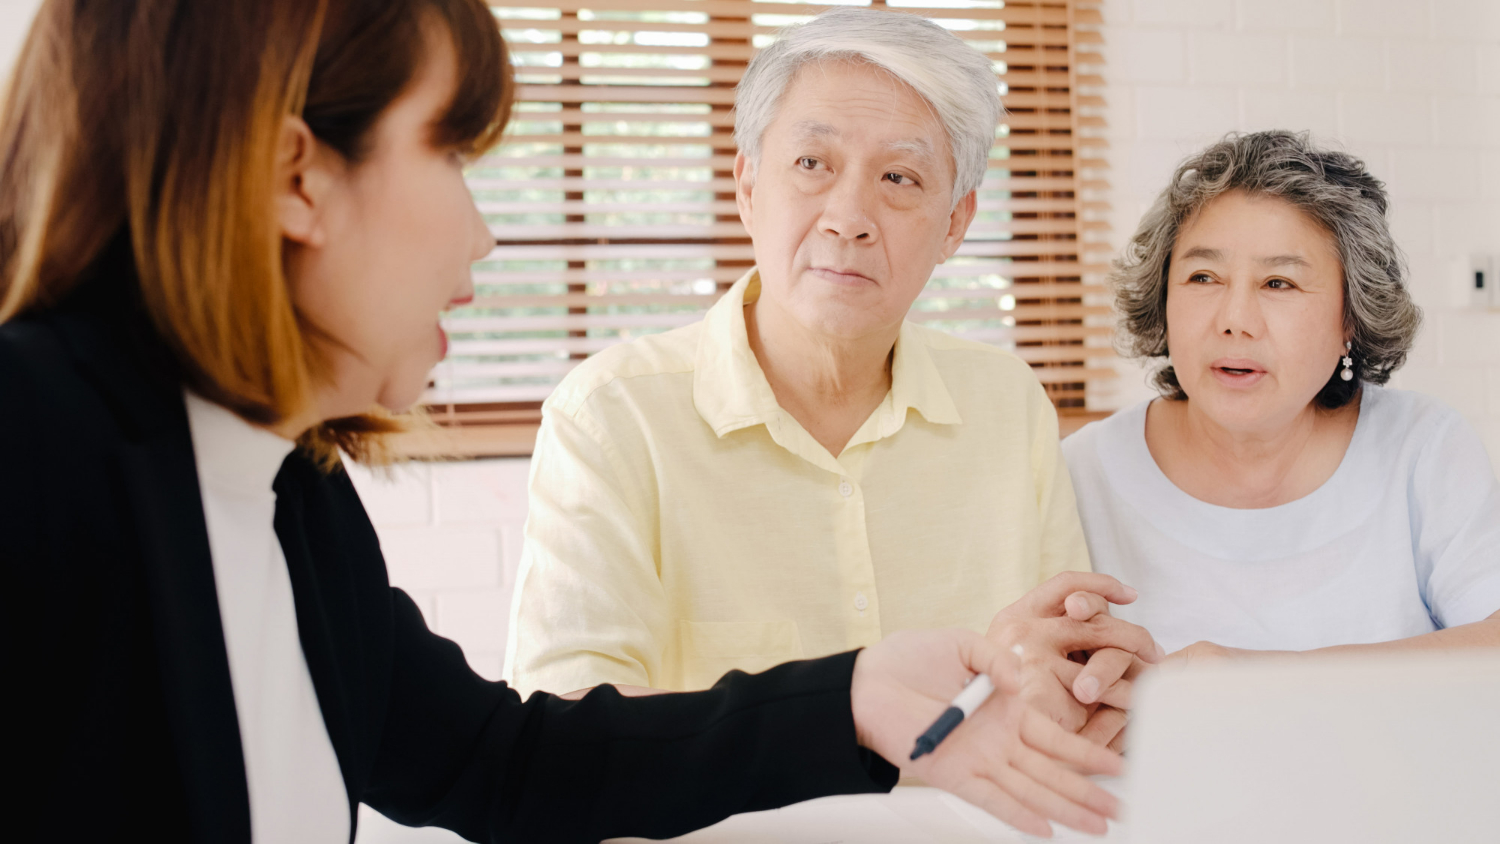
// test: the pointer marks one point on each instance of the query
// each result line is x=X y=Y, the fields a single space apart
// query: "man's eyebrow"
x=813 y=129
x=920 y=147
x=806 y=129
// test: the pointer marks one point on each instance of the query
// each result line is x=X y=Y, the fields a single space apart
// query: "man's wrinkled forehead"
x=806 y=131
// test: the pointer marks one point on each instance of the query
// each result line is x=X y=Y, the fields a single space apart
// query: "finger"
x=1104 y=726
x=1048 y=597
x=1104 y=631
x=991 y=798
x=1120 y=694
x=1116 y=694
x=983 y=657
x=1117 y=744
x=1053 y=699
x=1105 y=668
x=1082 y=606
x=1048 y=803
x=1046 y=737
x=1060 y=708
x=1069 y=784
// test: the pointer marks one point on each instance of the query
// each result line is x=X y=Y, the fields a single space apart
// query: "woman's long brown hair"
x=155 y=123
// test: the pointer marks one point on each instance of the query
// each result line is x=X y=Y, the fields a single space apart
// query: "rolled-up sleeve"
x=1456 y=515
x=589 y=607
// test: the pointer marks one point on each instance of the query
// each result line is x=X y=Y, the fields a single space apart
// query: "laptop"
x=1387 y=750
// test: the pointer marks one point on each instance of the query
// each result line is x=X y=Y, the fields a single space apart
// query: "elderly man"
x=804 y=471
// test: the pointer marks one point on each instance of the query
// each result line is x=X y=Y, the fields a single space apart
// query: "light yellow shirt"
x=682 y=524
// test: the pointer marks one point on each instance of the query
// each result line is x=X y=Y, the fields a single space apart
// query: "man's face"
x=851 y=204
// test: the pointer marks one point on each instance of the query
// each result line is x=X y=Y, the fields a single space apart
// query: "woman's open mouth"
x=1237 y=373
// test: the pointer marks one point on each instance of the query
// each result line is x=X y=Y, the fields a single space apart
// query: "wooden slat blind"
x=612 y=200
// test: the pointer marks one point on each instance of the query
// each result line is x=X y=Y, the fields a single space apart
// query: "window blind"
x=612 y=199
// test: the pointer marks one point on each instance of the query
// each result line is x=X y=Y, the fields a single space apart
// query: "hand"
x=1106 y=727
x=1066 y=615
x=1107 y=676
x=1006 y=758
x=1102 y=680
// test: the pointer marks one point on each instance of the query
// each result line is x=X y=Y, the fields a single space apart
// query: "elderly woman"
x=803 y=471
x=1277 y=497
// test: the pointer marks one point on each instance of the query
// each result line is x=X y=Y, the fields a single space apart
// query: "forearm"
x=662 y=765
x=471 y=756
x=1479 y=634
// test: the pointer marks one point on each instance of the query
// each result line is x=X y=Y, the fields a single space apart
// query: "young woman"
x=226 y=232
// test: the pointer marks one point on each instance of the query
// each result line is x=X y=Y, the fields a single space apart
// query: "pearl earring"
x=1348 y=373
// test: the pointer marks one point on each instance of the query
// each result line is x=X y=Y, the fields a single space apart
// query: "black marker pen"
x=971 y=698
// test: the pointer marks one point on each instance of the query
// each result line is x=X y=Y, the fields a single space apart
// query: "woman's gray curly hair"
x=1333 y=188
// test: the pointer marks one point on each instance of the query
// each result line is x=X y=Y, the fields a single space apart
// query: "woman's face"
x=377 y=249
x=1255 y=311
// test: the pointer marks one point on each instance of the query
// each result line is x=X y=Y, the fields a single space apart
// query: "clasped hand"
x=1078 y=663
x=1008 y=758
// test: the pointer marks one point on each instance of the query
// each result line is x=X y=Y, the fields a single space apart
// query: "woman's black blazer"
x=122 y=716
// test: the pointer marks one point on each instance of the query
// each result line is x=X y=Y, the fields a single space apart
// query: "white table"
x=908 y=815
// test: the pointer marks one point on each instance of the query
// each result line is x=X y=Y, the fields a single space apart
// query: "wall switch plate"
x=1484 y=287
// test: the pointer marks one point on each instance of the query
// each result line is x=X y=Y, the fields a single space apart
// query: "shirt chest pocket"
x=710 y=649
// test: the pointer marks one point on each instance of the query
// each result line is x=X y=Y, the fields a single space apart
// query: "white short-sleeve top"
x=1402 y=540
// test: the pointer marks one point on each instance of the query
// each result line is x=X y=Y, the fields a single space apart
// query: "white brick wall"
x=1411 y=86
x=451 y=533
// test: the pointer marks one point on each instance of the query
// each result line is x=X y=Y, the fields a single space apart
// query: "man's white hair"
x=956 y=80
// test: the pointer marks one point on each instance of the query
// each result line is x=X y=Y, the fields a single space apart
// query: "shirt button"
x=846 y=489
x=860 y=601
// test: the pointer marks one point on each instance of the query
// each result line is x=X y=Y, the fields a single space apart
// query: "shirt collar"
x=916 y=382
x=730 y=390
x=231 y=453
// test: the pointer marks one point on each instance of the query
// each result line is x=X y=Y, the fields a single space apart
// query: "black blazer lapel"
x=160 y=480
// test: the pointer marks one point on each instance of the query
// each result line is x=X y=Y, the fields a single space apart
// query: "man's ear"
x=958 y=224
x=302 y=182
x=744 y=183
